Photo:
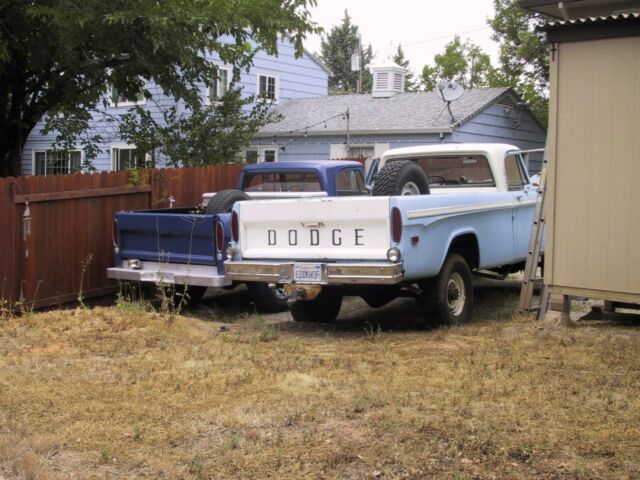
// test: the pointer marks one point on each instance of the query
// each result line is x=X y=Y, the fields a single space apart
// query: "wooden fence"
x=69 y=244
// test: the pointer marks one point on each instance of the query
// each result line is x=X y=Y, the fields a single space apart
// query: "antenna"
x=449 y=91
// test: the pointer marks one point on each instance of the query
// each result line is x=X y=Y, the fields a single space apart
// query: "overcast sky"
x=423 y=27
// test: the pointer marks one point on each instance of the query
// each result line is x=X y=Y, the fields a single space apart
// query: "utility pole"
x=348 y=132
x=360 y=64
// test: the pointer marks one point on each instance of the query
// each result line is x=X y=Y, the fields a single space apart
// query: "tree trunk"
x=12 y=141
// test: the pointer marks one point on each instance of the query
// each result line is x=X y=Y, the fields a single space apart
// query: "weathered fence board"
x=70 y=245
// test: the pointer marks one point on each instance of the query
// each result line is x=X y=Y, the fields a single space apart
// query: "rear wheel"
x=449 y=296
x=323 y=309
x=223 y=201
x=400 y=177
x=267 y=299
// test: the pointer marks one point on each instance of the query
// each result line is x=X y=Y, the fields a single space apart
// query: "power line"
x=445 y=36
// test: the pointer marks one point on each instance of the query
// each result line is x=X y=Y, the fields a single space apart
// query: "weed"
x=264 y=331
x=106 y=455
x=85 y=265
x=195 y=465
x=373 y=334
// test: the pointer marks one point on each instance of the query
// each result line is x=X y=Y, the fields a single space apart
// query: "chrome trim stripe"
x=481 y=207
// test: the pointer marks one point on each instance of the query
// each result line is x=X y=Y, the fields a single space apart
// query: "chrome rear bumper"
x=171 y=273
x=382 y=273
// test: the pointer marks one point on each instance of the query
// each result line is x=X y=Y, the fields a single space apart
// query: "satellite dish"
x=449 y=90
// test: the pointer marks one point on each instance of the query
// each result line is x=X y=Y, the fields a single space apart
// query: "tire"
x=449 y=296
x=400 y=177
x=222 y=202
x=266 y=299
x=323 y=309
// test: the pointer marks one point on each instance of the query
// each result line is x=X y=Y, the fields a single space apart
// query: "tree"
x=204 y=135
x=523 y=56
x=409 y=81
x=59 y=59
x=336 y=50
x=464 y=63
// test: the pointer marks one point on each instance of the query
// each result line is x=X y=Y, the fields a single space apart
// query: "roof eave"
x=325 y=133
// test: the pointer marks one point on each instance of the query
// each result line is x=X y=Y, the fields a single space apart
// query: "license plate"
x=307 y=272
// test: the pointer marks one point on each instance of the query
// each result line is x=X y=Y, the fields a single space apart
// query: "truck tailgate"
x=353 y=228
x=167 y=237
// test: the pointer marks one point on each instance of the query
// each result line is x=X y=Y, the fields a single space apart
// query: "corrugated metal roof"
x=592 y=20
x=418 y=111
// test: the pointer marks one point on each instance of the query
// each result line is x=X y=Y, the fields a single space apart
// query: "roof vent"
x=388 y=79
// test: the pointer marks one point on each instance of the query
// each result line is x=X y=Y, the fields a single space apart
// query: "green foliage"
x=523 y=56
x=202 y=135
x=58 y=59
x=409 y=82
x=464 y=63
x=336 y=49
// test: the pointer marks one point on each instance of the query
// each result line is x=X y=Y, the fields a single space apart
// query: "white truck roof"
x=495 y=153
x=489 y=149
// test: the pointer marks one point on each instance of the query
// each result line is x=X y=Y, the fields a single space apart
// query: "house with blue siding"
x=278 y=78
x=363 y=126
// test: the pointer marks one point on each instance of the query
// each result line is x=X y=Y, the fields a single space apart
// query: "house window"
x=55 y=162
x=268 y=87
x=267 y=154
x=516 y=178
x=127 y=157
x=360 y=151
x=117 y=99
x=219 y=86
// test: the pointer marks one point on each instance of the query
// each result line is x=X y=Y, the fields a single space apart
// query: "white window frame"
x=208 y=100
x=123 y=146
x=277 y=86
x=340 y=150
x=129 y=103
x=45 y=151
x=261 y=149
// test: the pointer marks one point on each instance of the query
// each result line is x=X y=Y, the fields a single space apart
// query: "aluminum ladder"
x=533 y=255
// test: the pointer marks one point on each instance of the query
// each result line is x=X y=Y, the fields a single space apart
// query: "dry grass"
x=121 y=393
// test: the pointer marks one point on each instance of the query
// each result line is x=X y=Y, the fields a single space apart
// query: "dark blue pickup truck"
x=187 y=248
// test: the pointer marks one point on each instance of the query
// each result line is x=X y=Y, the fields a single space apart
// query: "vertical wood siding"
x=71 y=222
x=595 y=226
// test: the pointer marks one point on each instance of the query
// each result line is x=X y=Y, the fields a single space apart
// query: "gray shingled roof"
x=415 y=112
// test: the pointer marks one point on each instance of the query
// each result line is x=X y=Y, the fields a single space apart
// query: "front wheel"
x=267 y=299
x=449 y=295
x=322 y=309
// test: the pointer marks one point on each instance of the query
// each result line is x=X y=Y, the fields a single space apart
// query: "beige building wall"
x=593 y=222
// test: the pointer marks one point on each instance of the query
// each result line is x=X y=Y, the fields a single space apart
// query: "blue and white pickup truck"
x=473 y=214
x=186 y=248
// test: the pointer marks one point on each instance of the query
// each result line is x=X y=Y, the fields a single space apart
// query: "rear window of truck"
x=456 y=171
x=282 y=182
x=350 y=182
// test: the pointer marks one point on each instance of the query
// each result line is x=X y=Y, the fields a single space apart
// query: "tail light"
x=114 y=232
x=396 y=225
x=219 y=237
x=235 y=227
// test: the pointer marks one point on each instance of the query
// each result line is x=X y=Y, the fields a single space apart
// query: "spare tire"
x=222 y=202
x=400 y=177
